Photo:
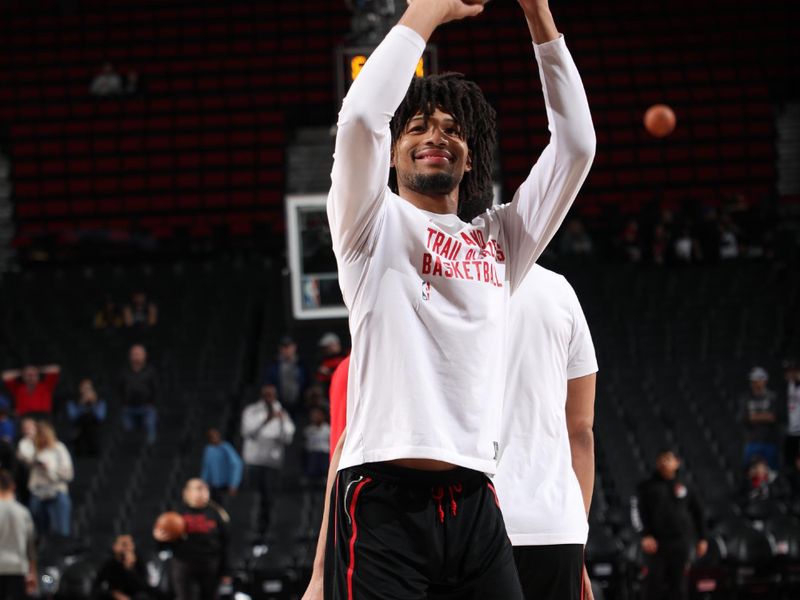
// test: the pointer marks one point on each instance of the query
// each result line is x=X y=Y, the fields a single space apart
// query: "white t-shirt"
x=549 y=344
x=427 y=293
x=318 y=438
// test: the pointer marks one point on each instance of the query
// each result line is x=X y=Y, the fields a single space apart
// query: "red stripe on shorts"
x=353 y=537
x=494 y=493
x=332 y=510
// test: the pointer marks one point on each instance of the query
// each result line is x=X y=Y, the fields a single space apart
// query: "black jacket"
x=138 y=388
x=206 y=537
x=113 y=576
x=669 y=510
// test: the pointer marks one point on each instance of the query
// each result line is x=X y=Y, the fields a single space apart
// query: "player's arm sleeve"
x=363 y=141
x=582 y=359
x=540 y=204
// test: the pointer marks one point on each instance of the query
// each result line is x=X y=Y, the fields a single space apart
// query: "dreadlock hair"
x=462 y=99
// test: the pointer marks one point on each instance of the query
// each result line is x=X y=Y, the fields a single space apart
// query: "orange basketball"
x=169 y=527
x=659 y=120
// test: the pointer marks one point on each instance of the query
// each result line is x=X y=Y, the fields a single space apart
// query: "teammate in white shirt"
x=428 y=294
x=546 y=473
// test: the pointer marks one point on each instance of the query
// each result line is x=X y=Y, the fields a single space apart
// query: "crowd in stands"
x=695 y=233
x=289 y=414
x=40 y=465
x=109 y=83
x=772 y=436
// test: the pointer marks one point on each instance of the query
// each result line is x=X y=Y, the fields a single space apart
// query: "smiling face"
x=431 y=156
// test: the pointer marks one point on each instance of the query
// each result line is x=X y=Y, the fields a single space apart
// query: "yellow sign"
x=357 y=63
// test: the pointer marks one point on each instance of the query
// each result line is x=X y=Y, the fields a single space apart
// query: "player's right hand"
x=454 y=10
x=649 y=544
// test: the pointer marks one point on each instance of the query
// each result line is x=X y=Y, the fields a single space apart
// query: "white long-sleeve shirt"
x=427 y=293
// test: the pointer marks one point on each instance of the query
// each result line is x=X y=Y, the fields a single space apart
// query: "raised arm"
x=533 y=217
x=11 y=374
x=363 y=141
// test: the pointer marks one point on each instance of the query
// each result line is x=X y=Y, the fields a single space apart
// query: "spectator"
x=123 y=575
x=287 y=375
x=200 y=557
x=315 y=397
x=266 y=430
x=338 y=404
x=51 y=472
x=108 y=316
x=140 y=312
x=317 y=443
x=685 y=247
x=728 y=242
x=106 y=83
x=17 y=544
x=630 y=242
x=32 y=388
x=660 y=245
x=139 y=393
x=133 y=84
x=8 y=457
x=671 y=518
x=331 y=348
x=8 y=428
x=791 y=371
x=222 y=467
x=760 y=420
x=575 y=241
x=793 y=477
x=762 y=483
x=86 y=414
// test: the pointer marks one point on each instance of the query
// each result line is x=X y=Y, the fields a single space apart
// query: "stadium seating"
x=201 y=146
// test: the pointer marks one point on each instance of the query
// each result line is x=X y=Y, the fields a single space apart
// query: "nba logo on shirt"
x=426 y=290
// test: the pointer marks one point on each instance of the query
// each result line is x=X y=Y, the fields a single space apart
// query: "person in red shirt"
x=338 y=401
x=331 y=348
x=32 y=388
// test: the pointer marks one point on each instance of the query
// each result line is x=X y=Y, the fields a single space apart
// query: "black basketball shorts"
x=550 y=572
x=405 y=534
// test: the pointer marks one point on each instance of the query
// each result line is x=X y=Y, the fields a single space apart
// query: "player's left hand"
x=587 y=585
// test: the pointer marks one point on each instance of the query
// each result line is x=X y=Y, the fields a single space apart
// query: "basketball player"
x=413 y=512
x=546 y=475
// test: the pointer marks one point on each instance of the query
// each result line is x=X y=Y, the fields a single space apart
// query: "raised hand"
x=424 y=16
